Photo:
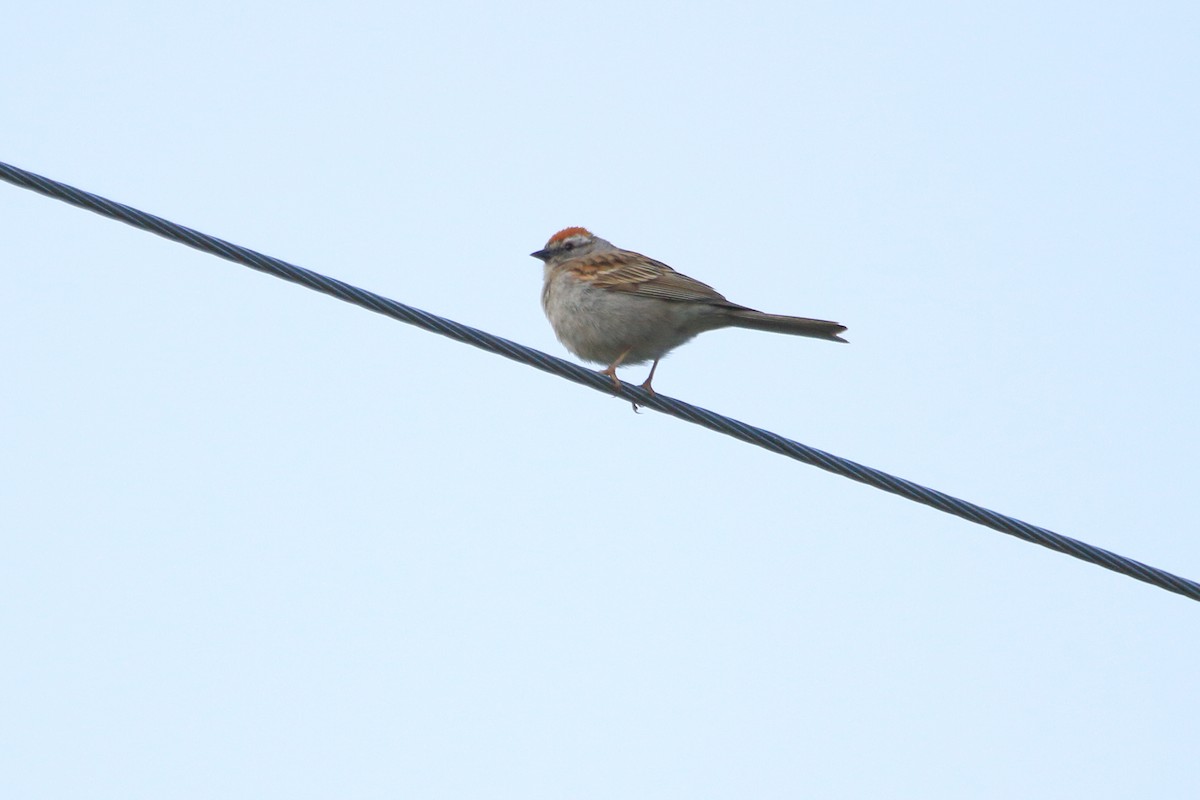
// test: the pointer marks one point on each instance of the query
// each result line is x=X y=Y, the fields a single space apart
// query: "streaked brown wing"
x=637 y=274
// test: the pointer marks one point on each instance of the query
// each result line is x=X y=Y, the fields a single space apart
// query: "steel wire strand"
x=587 y=377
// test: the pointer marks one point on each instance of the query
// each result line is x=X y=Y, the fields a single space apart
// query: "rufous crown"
x=567 y=233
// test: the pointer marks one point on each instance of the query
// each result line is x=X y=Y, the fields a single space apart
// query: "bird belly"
x=599 y=325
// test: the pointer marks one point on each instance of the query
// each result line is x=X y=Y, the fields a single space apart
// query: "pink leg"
x=611 y=370
x=647 y=385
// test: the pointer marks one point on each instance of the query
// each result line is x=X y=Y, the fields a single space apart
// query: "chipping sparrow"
x=614 y=307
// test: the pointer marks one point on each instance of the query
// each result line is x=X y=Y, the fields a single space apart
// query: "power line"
x=573 y=372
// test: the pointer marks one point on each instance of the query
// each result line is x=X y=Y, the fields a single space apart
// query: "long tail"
x=778 y=323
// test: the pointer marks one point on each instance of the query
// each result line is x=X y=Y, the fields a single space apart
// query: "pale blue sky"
x=259 y=543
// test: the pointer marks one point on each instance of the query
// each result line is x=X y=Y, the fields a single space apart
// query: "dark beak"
x=542 y=254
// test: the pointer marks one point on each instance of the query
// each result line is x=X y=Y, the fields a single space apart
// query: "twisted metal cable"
x=581 y=375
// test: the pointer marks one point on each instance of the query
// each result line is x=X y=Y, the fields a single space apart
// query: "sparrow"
x=617 y=307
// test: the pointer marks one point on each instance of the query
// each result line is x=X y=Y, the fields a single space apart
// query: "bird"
x=617 y=307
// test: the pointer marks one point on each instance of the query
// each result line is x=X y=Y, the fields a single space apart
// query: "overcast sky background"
x=260 y=543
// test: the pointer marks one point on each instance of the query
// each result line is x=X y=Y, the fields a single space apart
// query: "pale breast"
x=598 y=324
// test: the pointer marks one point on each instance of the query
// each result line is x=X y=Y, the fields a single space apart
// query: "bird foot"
x=612 y=373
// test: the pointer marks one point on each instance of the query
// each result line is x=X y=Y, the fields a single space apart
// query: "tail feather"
x=778 y=323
